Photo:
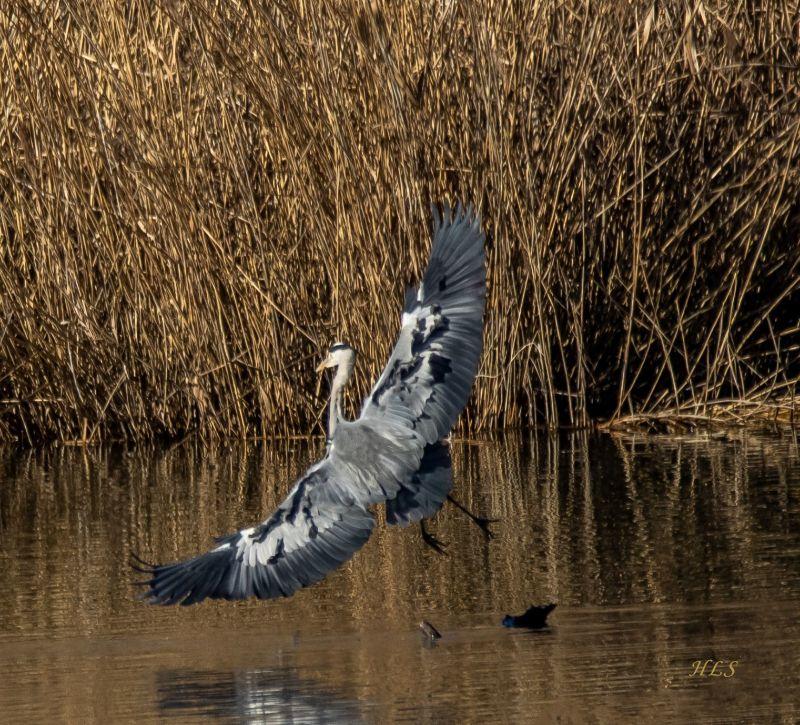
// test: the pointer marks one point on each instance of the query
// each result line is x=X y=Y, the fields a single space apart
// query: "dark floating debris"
x=534 y=618
x=430 y=632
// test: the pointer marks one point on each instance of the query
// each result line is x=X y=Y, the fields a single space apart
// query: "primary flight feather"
x=392 y=453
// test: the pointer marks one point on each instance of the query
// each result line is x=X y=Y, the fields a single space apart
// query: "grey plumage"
x=392 y=453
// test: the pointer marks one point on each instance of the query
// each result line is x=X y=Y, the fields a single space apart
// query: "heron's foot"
x=438 y=546
x=481 y=521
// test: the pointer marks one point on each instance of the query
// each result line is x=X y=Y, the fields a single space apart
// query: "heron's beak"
x=326 y=363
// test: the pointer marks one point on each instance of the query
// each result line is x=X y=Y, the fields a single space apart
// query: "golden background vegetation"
x=197 y=197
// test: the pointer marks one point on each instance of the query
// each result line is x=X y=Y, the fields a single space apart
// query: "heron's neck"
x=334 y=411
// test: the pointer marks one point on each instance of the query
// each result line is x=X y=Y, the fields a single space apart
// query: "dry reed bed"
x=196 y=198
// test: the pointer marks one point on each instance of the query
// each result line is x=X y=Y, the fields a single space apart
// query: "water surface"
x=660 y=552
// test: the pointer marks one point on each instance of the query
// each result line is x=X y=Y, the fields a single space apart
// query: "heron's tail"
x=427 y=490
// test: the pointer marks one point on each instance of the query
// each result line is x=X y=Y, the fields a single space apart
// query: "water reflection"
x=659 y=552
x=258 y=695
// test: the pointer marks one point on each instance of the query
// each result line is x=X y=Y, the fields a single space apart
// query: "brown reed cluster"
x=196 y=198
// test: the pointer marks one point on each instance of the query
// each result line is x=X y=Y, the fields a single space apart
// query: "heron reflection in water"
x=393 y=453
x=262 y=695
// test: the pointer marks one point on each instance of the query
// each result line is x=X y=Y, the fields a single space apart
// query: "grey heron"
x=393 y=453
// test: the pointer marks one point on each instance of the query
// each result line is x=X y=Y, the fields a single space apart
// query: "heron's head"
x=340 y=355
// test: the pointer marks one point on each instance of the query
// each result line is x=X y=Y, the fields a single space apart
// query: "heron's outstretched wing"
x=427 y=380
x=305 y=539
x=319 y=526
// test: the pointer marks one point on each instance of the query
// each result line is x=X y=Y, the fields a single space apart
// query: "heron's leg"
x=432 y=541
x=479 y=520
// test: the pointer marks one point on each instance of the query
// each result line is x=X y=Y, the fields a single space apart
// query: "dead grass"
x=196 y=198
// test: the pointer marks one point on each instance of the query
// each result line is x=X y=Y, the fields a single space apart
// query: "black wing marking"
x=426 y=383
